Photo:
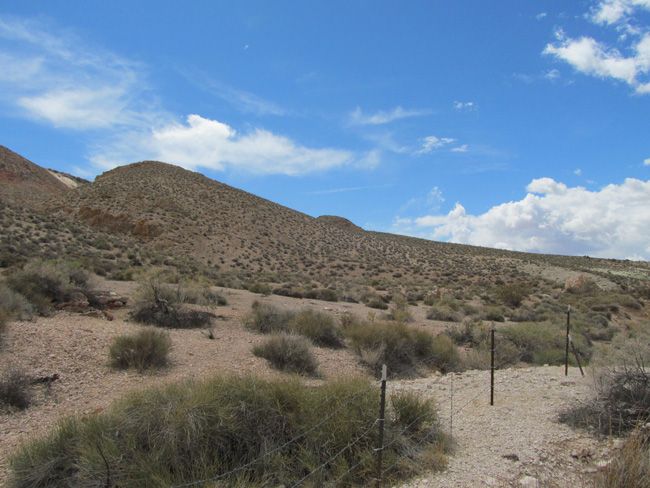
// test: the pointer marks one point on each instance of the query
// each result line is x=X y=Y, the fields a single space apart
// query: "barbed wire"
x=274 y=450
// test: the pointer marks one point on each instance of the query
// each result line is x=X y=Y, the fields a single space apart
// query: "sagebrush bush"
x=513 y=294
x=317 y=326
x=13 y=305
x=195 y=430
x=444 y=354
x=288 y=353
x=15 y=389
x=146 y=349
x=266 y=319
x=411 y=412
x=542 y=343
x=402 y=348
x=444 y=313
x=45 y=283
x=621 y=401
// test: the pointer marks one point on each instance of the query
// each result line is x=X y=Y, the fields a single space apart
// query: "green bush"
x=542 y=343
x=445 y=356
x=266 y=319
x=45 y=283
x=15 y=389
x=494 y=314
x=317 y=326
x=512 y=295
x=443 y=313
x=281 y=430
x=402 y=348
x=412 y=412
x=288 y=353
x=143 y=350
x=325 y=294
x=13 y=305
x=261 y=288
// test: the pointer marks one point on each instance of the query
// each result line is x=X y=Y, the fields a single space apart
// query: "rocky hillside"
x=25 y=183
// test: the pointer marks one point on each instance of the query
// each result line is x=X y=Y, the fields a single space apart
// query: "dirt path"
x=522 y=423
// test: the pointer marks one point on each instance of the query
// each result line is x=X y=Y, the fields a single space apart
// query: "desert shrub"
x=412 y=412
x=15 y=389
x=621 y=401
x=630 y=466
x=14 y=305
x=377 y=303
x=317 y=326
x=202 y=295
x=267 y=318
x=495 y=314
x=261 y=288
x=325 y=294
x=204 y=429
x=45 y=283
x=444 y=313
x=513 y=294
x=542 y=343
x=143 y=350
x=162 y=306
x=402 y=348
x=288 y=353
x=288 y=291
x=444 y=354
x=399 y=311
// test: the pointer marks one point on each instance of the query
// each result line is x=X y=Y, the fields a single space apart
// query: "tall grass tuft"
x=288 y=353
x=146 y=349
x=247 y=431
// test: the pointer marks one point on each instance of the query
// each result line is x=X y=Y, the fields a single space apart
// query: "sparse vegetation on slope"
x=288 y=353
x=280 y=431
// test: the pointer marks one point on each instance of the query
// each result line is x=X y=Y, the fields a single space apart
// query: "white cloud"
x=646 y=162
x=431 y=143
x=541 y=15
x=613 y=11
x=206 y=143
x=577 y=172
x=592 y=57
x=60 y=80
x=464 y=106
x=552 y=74
x=358 y=117
x=463 y=148
x=554 y=218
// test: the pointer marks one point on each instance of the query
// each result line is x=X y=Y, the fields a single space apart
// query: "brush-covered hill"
x=180 y=214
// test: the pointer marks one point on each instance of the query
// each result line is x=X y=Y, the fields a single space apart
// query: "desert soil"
x=522 y=422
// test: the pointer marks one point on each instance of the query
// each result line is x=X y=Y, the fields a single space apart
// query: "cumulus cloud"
x=613 y=11
x=592 y=57
x=646 y=162
x=358 y=117
x=207 y=143
x=553 y=218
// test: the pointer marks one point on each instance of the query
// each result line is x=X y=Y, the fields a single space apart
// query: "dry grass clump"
x=146 y=349
x=403 y=349
x=630 y=467
x=15 y=389
x=267 y=319
x=280 y=430
x=288 y=353
x=319 y=327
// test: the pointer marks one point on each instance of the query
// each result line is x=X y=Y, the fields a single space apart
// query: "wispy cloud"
x=59 y=80
x=463 y=148
x=358 y=117
x=646 y=162
x=465 y=106
x=242 y=100
x=348 y=189
x=431 y=143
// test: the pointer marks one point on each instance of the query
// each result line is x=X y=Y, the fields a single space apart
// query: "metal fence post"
x=382 y=413
x=492 y=365
x=568 y=331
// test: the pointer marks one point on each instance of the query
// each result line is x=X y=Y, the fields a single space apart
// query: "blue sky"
x=521 y=125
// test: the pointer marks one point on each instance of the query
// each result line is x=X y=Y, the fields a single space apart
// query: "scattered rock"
x=528 y=482
x=511 y=457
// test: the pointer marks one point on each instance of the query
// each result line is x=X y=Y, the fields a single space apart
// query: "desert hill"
x=24 y=182
x=158 y=213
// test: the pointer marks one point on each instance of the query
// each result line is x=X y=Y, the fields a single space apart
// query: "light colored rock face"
x=518 y=442
x=69 y=182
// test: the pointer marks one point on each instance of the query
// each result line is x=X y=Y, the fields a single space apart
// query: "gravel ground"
x=522 y=423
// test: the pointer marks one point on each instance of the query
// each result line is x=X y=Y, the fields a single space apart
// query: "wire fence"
x=486 y=392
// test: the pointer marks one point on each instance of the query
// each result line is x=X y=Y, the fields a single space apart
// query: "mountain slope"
x=25 y=183
x=182 y=213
